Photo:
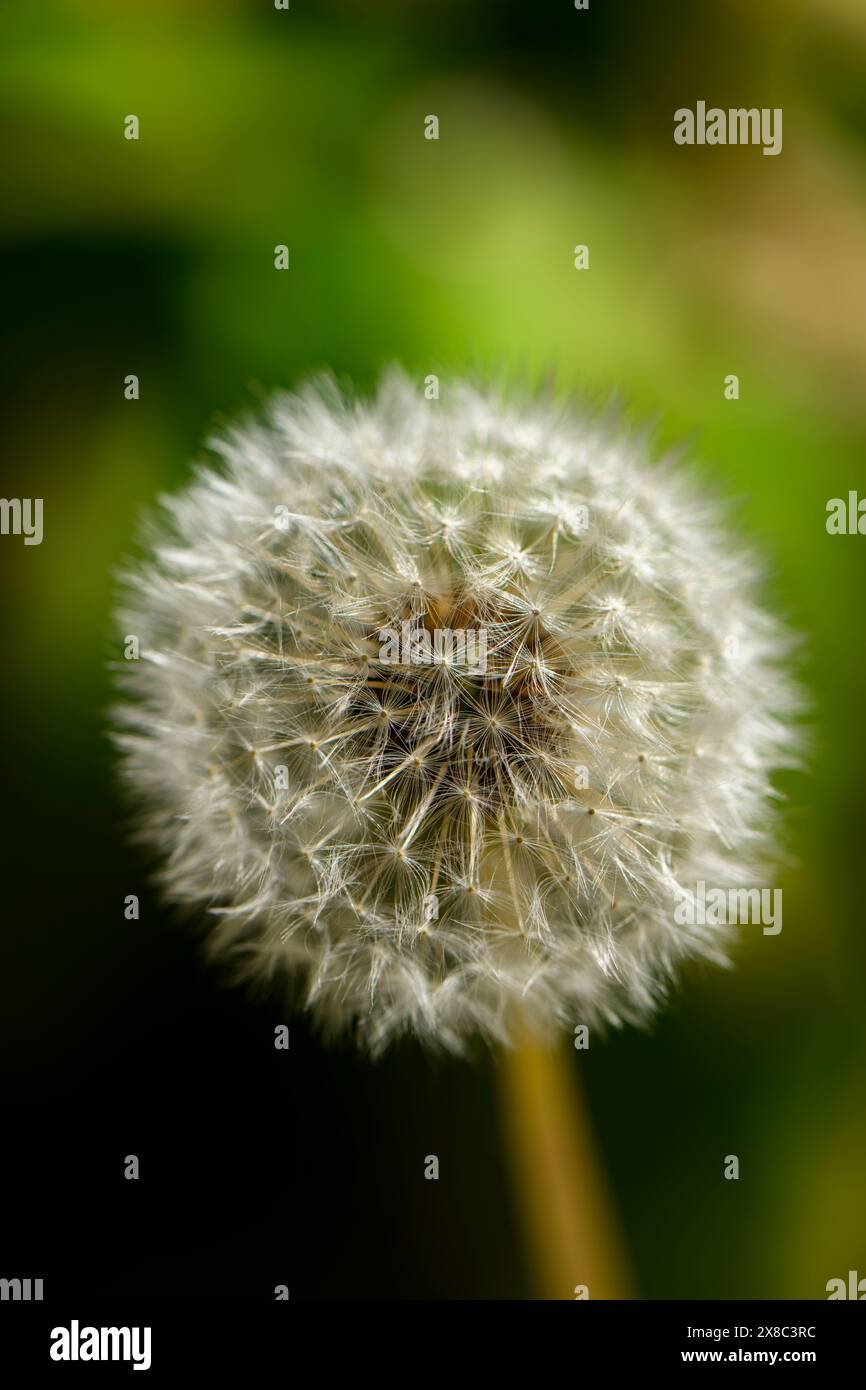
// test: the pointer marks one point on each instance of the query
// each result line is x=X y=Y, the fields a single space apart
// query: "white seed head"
x=423 y=843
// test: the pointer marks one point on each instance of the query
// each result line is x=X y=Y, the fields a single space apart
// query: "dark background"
x=258 y=127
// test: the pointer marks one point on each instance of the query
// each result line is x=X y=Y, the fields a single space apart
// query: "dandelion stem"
x=561 y=1194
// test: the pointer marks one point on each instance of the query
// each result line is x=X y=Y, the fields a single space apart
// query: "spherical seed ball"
x=440 y=706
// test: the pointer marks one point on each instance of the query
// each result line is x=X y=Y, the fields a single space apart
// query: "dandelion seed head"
x=407 y=841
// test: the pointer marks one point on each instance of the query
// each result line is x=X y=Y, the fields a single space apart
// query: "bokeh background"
x=155 y=257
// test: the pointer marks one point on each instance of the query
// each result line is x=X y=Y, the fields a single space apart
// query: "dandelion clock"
x=442 y=707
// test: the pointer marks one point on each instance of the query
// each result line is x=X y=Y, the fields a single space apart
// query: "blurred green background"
x=260 y=127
